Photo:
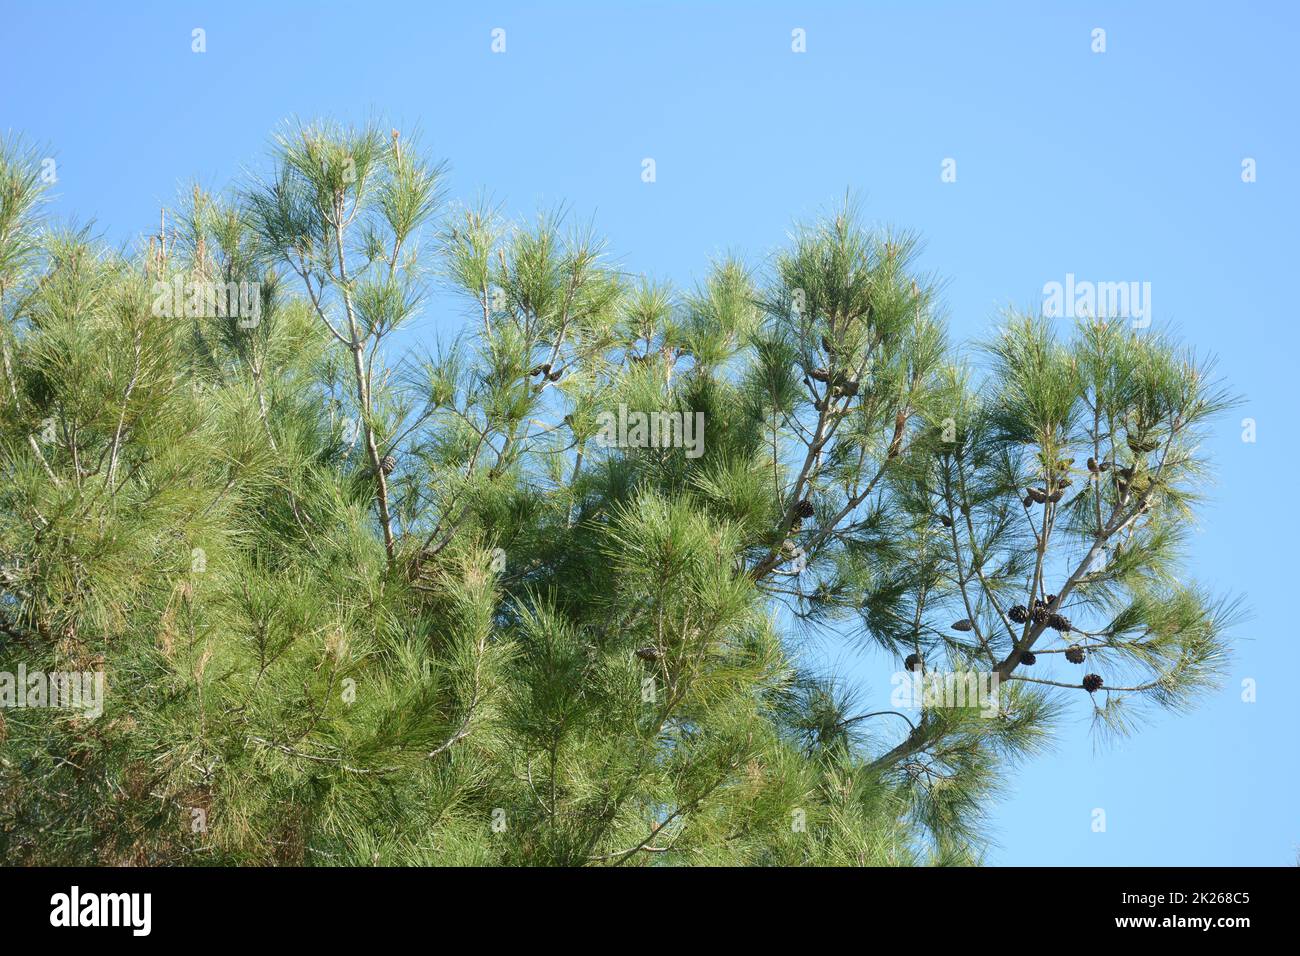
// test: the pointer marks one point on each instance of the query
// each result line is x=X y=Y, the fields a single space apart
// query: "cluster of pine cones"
x=544 y=370
x=1123 y=475
x=1057 y=622
x=1074 y=653
x=1041 y=496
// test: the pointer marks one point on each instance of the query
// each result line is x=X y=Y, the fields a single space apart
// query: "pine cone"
x=1028 y=658
x=387 y=464
x=1092 y=466
x=554 y=376
x=1019 y=614
x=944 y=520
x=1037 y=495
x=804 y=509
x=1059 y=622
x=1092 y=683
x=913 y=662
x=820 y=374
x=963 y=625
x=1074 y=654
x=647 y=653
x=543 y=369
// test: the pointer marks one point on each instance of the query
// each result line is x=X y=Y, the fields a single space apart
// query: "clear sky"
x=1117 y=166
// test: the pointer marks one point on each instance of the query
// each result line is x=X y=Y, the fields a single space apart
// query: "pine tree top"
x=539 y=596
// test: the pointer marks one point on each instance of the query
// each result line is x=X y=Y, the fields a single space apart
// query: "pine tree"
x=355 y=606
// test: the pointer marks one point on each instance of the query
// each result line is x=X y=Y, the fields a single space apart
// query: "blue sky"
x=1115 y=166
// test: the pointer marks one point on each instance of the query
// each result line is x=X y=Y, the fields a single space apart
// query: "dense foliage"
x=359 y=604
